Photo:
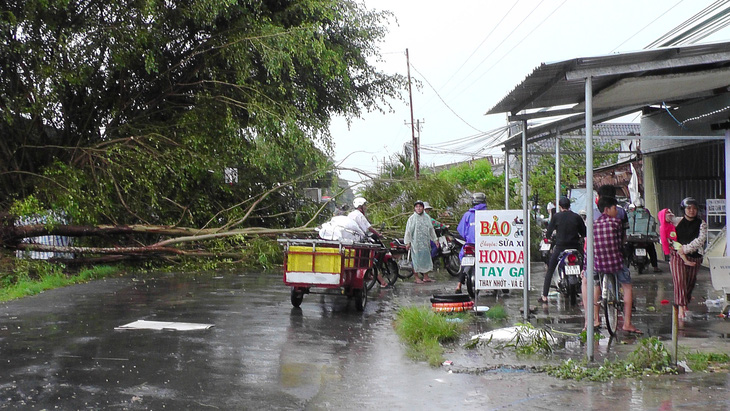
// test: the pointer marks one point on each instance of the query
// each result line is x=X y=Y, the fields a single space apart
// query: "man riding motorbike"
x=466 y=229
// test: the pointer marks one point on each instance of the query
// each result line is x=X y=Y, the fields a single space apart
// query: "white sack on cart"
x=341 y=228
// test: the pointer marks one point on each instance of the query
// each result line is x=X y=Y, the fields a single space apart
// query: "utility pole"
x=413 y=124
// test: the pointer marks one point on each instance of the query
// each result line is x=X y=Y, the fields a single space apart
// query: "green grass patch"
x=424 y=331
x=30 y=277
x=705 y=362
x=496 y=312
x=650 y=357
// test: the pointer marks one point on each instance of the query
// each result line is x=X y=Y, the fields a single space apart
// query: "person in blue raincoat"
x=418 y=237
x=466 y=229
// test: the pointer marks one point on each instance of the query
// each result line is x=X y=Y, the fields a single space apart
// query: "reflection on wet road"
x=60 y=350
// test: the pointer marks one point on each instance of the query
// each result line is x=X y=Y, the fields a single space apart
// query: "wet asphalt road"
x=60 y=350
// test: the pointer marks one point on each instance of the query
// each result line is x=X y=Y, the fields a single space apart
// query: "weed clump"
x=650 y=357
x=424 y=331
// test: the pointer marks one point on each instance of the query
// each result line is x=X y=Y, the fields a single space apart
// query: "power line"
x=644 y=28
x=480 y=44
x=442 y=100
x=502 y=42
x=521 y=40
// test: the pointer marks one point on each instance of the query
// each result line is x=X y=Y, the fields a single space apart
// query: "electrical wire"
x=672 y=37
x=521 y=40
x=497 y=47
x=442 y=100
x=644 y=28
x=482 y=43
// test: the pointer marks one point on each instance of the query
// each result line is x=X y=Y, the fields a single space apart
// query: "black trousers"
x=551 y=268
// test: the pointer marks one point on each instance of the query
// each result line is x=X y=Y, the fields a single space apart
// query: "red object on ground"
x=664 y=302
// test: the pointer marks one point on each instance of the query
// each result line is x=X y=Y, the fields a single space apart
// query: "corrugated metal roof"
x=557 y=84
x=563 y=84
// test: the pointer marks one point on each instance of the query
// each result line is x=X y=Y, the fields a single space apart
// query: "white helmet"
x=639 y=202
x=359 y=201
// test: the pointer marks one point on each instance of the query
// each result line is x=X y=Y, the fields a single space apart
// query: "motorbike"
x=567 y=274
x=546 y=248
x=468 y=261
x=401 y=256
x=384 y=264
x=450 y=245
x=468 y=264
x=636 y=245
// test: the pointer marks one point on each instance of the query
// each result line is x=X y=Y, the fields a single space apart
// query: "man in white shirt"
x=358 y=214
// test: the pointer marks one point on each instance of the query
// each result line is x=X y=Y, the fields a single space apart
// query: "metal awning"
x=623 y=83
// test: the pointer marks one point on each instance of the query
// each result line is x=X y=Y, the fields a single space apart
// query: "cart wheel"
x=361 y=299
x=296 y=297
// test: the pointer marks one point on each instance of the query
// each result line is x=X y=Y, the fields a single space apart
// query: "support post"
x=590 y=309
x=413 y=124
x=506 y=179
x=557 y=172
x=526 y=224
x=675 y=333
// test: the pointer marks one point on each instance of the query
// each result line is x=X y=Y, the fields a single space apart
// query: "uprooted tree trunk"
x=170 y=240
x=11 y=238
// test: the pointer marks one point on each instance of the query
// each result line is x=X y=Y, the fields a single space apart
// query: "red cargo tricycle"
x=329 y=265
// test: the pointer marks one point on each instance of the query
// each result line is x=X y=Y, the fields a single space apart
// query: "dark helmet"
x=564 y=202
x=478 y=198
x=687 y=202
x=417 y=203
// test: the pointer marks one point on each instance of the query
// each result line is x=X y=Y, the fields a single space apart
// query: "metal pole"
x=675 y=333
x=727 y=185
x=557 y=172
x=506 y=180
x=413 y=124
x=590 y=309
x=526 y=224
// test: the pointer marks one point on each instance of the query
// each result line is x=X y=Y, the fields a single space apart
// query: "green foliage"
x=496 y=312
x=391 y=195
x=30 y=277
x=572 y=168
x=528 y=340
x=650 y=357
x=699 y=361
x=265 y=252
x=27 y=206
x=136 y=122
x=423 y=331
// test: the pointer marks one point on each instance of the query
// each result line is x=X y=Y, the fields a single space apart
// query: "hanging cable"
x=644 y=28
x=442 y=100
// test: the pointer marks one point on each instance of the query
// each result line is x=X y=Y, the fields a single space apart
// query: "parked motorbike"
x=636 y=246
x=468 y=261
x=402 y=258
x=384 y=264
x=546 y=247
x=567 y=274
x=449 y=248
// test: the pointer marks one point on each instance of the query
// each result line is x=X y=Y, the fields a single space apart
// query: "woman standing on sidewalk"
x=691 y=234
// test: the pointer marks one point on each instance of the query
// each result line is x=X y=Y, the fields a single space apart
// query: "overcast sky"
x=469 y=54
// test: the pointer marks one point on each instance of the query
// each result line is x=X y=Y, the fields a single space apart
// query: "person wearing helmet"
x=691 y=235
x=569 y=231
x=418 y=237
x=358 y=215
x=639 y=211
x=466 y=229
